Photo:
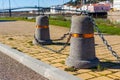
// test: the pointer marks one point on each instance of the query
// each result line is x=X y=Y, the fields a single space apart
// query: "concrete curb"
x=41 y=68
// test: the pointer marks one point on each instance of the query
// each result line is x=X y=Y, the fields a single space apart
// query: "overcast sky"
x=20 y=3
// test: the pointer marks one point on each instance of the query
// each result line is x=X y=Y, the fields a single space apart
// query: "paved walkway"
x=19 y=35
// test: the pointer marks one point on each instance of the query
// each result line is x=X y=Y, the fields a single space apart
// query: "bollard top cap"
x=82 y=24
x=42 y=20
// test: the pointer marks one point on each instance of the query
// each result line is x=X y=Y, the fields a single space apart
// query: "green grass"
x=60 y=23
x=104 y=25
x=109 y=30
x=71 y=69
x=107 y=27
x=17 y=19
x=98 y=68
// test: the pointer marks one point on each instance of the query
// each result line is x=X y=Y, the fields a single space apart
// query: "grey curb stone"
x=41 y=68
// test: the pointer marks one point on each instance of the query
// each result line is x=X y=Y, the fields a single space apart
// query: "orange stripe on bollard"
x=38 y=26
x=83 y=35
x=76 y=35
x=88 y=35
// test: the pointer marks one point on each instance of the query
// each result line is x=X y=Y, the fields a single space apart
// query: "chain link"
x=56 y=51
x=63 y=37
x=105 y=41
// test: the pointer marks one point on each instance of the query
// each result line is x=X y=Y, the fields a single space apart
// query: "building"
x=56 y=9
x=104 y=6
x=116 y=5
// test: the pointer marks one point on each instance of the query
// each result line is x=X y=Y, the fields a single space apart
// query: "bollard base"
x=71 y=62
x=42 y=42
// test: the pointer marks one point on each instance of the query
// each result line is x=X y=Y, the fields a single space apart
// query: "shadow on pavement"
x=110 y=65
x=59 y=43
x=105 y=65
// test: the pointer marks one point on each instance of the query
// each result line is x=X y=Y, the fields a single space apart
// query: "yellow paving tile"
x=63 y=67
x=105 y=72
x=85 y=76
x=94 y=74
x=48 y=59
x=83 y=70
x=63 y=56
x=58 y=60
x=117 y=74
x=115 y=69
x=113 y=77
x=101 y=78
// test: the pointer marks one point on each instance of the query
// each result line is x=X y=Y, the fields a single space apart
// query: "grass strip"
x=104 y=25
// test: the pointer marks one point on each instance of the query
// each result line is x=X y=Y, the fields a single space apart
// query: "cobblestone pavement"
x=19 y=35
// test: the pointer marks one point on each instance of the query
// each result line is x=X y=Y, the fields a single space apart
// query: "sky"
x=22 y=3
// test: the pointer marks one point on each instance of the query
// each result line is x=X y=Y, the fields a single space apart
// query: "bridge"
x=28 y=7
x=43 y=10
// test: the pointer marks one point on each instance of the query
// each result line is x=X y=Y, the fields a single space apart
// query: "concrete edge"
x=39 y=67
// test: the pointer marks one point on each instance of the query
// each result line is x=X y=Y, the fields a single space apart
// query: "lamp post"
x=63 y=8
x=38 y=7
x=10 y=9
x=3 y=7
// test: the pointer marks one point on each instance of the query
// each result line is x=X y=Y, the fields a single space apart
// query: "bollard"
x=82 y=47
x=42 y=35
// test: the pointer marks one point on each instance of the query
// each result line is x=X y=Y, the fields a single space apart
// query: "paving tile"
x=48 y=59
x=101 y=78
x=63 y=56
x=114 y=69
x=57 y=65
x=113 y=77
x=58 y=60
x=63 y=67
x=85 y=76
x=83 y=70
x=67 y=53
x=94 y=74
x=105 y=72
x=74 y=73
x=117 y=74
x=110 y=58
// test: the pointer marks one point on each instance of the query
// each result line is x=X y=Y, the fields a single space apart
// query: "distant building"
x=56 y=9
x=91 y=8
x=33 y=12
x=98 y=7
x=63 y=9
x=67 y=8
x=116 y=4
x=102 y=7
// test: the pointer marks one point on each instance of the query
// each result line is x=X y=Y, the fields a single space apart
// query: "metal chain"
x=105 y=41
x=61 y=38
x=56 y=51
